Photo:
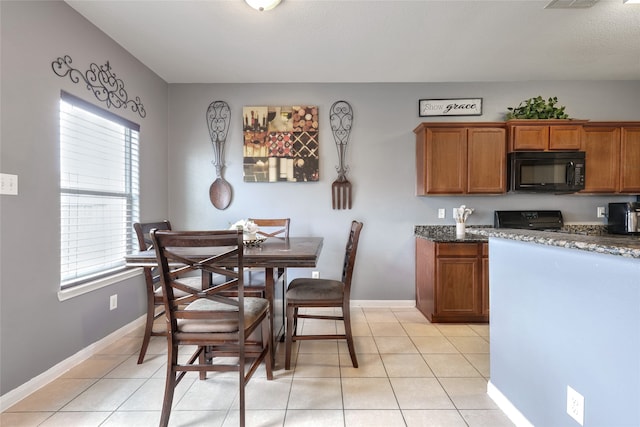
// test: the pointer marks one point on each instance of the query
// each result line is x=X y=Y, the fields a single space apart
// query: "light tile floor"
x=412 y=373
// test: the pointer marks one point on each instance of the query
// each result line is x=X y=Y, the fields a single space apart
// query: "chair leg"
x=346 y=314
x=295 y=321
x=202 y=359
x=289 y=336
x=148 y=328
x=266 y=343
x=170 y=385
x=243 y=383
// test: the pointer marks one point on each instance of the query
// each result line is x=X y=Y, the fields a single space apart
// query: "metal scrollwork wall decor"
x=102 y=82
x=341 y=119
x=218 y=119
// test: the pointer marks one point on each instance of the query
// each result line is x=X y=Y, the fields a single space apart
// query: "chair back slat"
x=272 y=227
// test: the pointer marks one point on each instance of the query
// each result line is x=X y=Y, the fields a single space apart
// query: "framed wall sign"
x=450 y=107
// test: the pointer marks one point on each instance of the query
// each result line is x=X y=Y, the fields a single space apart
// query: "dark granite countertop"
x=447 y=233
x=621 y=245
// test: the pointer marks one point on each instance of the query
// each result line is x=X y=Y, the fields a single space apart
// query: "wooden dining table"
x=275 y=255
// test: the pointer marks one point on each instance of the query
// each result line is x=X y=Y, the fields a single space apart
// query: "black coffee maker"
x=624 y=218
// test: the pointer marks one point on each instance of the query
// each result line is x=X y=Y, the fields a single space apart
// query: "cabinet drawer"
x=457 y=249
x=485 y=249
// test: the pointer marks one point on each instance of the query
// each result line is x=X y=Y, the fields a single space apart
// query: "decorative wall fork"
x=341 y=119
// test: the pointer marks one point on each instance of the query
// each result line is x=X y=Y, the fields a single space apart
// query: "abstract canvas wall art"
x=280 y=143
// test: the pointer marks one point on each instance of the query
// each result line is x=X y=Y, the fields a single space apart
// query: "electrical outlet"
x=8 y=184
x=441 y=213
x=600 y=212
x=113 y=302
x=575 y=405
x=315 y=274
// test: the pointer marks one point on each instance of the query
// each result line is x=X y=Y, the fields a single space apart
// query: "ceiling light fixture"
x=263 y=4
x=630 y=1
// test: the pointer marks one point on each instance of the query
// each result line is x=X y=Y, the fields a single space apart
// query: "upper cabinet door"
x=630 y=160
x=530 y=138
x=565 y=137
x=602 y=159
x=487 y=160
x=446 y=160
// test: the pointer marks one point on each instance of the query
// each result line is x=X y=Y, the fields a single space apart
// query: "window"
x=99 y=191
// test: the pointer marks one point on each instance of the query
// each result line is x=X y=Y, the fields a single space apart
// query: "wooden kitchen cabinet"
x=612 y=151
x=602 y=159
x=452 y=281
x=460 y=158
x=544 y=135
x=630 y=159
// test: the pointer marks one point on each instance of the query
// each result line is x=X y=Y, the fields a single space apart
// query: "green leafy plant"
x=537 y=108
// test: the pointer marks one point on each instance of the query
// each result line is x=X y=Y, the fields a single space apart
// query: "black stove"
x=530 y=220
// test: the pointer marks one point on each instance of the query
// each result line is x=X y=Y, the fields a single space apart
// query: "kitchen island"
x=565 y=312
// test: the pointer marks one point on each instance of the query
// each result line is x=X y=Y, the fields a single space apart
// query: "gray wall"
x=38 y=331
x=575 y=322
x=381 y=157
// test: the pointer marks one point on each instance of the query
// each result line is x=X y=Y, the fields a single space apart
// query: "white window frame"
x=98 y=204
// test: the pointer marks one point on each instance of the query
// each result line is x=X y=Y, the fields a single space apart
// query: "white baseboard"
x=507 y=407
x=17 y=394
x=383 y=303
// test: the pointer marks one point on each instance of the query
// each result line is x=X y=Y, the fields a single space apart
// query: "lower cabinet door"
x=457 y=293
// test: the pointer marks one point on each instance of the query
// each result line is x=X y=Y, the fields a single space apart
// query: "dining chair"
x=268 y=227
x=152 y=279
x=235 y=329
x=155 y=304
x=310 y=293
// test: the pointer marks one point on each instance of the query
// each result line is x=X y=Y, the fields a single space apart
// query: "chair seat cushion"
x=253 y=309
x=306 y=289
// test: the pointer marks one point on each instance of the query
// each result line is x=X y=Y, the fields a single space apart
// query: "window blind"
x=99 y=190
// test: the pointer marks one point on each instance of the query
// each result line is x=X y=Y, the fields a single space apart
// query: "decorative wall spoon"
x=218 y=118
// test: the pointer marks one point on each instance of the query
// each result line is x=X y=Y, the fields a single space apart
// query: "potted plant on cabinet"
x=537 y=108
x=541 y=124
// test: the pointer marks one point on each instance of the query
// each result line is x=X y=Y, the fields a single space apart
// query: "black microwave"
x=546 y=171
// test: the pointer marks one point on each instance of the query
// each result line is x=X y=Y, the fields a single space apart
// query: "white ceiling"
x=225 y=41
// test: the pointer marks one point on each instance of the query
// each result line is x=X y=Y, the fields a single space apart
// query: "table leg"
x=275 y=283
x=269 y=287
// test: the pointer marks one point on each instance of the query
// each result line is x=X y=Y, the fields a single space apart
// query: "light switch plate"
x=8 y=184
